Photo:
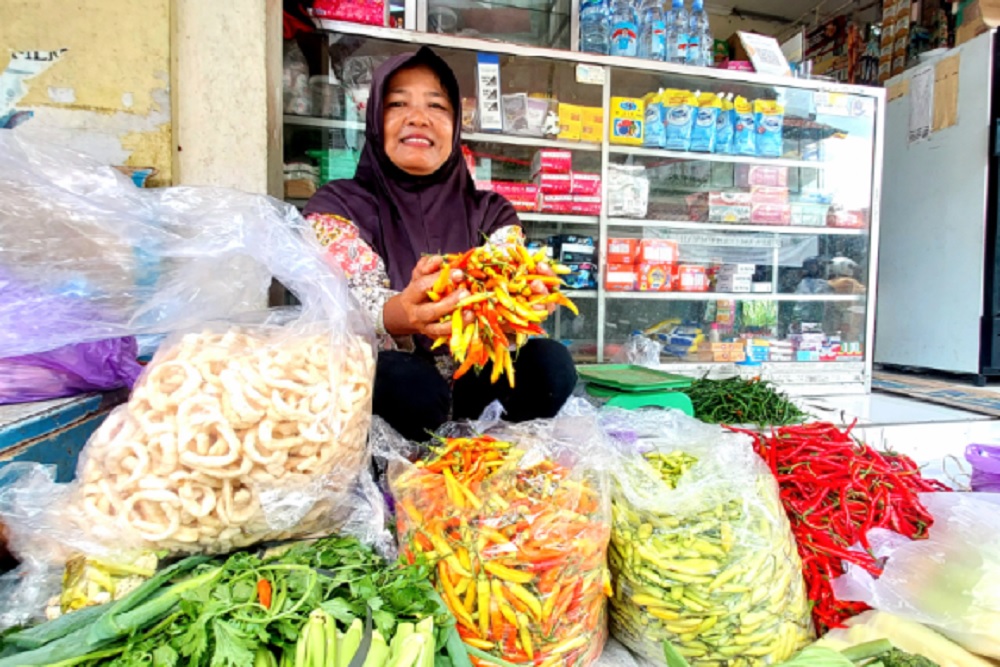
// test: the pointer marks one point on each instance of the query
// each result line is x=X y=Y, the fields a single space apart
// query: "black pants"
x=414 y=399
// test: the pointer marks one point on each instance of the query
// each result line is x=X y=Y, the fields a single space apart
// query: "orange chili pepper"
x=264 y=593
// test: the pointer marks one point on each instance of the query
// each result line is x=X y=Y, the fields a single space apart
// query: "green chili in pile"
x=739 y=401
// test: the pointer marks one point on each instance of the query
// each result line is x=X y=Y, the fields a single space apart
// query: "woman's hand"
x=541 y=289
x=412 y=312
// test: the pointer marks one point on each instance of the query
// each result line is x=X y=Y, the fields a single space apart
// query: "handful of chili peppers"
x=834 y=490
x=501 y=301
x=519 y=547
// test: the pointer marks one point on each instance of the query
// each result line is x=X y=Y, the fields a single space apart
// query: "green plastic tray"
x=629 y=378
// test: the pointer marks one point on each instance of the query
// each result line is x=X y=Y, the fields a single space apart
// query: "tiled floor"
x=933 y=435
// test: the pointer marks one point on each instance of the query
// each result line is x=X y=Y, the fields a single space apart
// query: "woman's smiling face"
x=418 y=121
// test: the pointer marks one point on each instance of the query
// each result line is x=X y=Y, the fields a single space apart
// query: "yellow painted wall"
x=109 y=93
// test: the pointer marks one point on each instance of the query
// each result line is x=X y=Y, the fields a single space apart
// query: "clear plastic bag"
x=639 y=351
x=950 y=581
x=246 y=425
x=701 y=551
x=517 y=536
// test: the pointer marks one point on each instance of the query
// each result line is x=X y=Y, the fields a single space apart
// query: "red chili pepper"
x=834 y=490
x=264 y=593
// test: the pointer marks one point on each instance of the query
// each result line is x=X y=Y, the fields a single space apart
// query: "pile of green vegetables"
x=878 y=653
x=328 y=602
x=739 y=401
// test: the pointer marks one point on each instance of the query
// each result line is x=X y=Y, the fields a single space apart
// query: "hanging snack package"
x=725 y=126
x=701 y=551
x=247 y=425
x=514 y=520
x=744 y=128
x=679 y=110
x=704 y=134
x=770 y=119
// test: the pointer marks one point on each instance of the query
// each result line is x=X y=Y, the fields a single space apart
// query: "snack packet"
x=770 y=120
x=678 y=113
x=744 y=131
x=703 y=134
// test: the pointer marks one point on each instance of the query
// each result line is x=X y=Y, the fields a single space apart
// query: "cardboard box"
x=771 y=214
x=585 y=205
x=585 y=184
x=591 y=134
x=555 y=204
x=554 y=184
x=657 y=251
x=550 y=161
x=692 y=278
x=570 y=122
x=621 y=250
x=809 y=215
x=975 y=18
x=592 y=115
x=621 y=278
x=749 y=175
x=734 y=284
x=745 y=270
x=762 y=194
x=627 y=118
x=656 y=277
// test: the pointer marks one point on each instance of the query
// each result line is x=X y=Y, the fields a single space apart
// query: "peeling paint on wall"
x=109 y=95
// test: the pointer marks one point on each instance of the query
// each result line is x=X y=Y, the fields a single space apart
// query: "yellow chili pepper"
x=483 y=592
x=456 y=330
x=508 y=573
x=550 y=603
x=481 y=644
x=463 y=558
x=474 y=299
x=454 y=603
x=508 y=613
x=470 y=599
x=522 y=594
x=438 y=342
x=525 y=634
x=570 y=644
x=526 y=257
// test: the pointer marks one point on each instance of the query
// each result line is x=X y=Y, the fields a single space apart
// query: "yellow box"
x=592 y=115
x=592 y=133
x=570 y=113
x=572 y=132
x=627 y=120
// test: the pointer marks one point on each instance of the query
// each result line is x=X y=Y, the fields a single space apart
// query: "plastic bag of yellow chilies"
x=701 y=551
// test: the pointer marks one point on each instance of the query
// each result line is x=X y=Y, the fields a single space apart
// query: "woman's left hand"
x=540 y=288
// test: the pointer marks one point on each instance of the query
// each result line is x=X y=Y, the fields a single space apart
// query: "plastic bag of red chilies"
x=835 y=489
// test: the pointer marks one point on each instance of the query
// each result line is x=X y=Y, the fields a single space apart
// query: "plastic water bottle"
x=594 y=26
x=700 y=43
x=624 y=28
x=652 y=31
x=677 y=39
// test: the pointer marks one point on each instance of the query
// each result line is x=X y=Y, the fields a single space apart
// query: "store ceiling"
x=781 y=11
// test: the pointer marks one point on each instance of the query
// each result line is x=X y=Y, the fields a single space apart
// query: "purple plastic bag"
x=985 y=460
x=74 y=369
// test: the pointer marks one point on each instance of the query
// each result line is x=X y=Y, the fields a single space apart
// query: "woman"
x=412 y=200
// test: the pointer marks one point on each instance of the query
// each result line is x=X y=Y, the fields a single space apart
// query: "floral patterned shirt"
x=367 y=276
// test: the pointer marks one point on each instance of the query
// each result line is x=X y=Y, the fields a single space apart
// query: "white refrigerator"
x=937 y=305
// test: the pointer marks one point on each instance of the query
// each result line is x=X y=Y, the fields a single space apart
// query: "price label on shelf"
x=725 y=240
x=590 y=74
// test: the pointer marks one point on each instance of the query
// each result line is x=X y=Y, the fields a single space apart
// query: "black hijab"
x=404 y=216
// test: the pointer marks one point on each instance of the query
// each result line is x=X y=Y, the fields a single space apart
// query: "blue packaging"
x=679 y=109
x=744 y=128
x=724 y=128
x=770 y=119
x=703 y=135
x=655 y=135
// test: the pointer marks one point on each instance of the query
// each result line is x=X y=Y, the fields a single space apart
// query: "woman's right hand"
x=412 y=312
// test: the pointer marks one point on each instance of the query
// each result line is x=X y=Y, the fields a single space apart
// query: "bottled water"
x=677 y=34
x=652 y=31
x=594 y=26
x=624 y=28
x=700 y=50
